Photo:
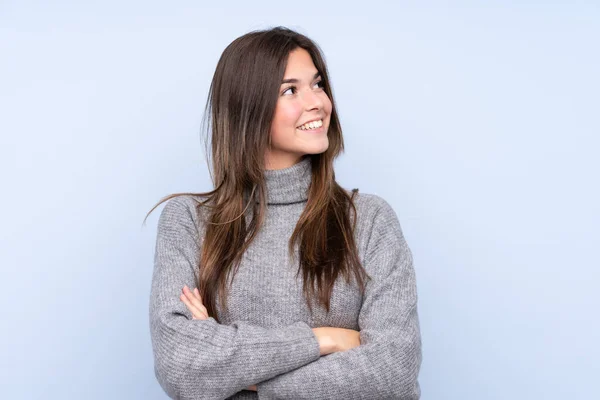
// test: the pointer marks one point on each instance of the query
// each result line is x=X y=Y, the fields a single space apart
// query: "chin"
x=317 y=150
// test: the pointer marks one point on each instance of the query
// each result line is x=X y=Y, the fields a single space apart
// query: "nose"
x=312 y=100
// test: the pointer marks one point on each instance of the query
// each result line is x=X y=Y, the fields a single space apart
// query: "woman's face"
x=301 y=100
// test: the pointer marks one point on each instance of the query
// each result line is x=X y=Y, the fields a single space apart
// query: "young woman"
x=279 y=283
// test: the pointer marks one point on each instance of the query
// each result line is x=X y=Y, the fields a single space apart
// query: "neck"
x=289 y=185
x=279 y=160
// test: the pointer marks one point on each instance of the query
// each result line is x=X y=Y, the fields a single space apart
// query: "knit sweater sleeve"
x=387 y=362
x=202 y=359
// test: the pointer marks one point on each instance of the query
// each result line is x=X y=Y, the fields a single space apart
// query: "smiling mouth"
x=311 y=126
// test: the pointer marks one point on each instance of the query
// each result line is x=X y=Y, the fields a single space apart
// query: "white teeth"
x=311 y=125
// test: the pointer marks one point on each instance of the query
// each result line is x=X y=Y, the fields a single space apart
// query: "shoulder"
x=380 y=240
x=370 y=202
x=372 y=208
x=376 y=220
x=181 y=213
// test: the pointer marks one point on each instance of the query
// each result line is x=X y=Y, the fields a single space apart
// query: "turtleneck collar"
x=289 y=185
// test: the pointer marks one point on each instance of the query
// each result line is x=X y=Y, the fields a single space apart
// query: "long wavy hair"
x=241 y=105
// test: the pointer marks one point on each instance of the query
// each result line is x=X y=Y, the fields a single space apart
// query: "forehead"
x=300 y=65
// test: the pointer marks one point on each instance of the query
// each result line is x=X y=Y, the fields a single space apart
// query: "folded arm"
x=202 y=359
x=386 y=364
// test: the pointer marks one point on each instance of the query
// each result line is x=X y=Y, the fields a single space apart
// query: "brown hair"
x=241 y=105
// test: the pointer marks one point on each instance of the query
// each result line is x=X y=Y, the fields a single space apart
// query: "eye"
x=320 y=84
x=293 y=88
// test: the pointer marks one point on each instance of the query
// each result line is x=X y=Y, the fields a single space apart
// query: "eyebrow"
x=293 y=80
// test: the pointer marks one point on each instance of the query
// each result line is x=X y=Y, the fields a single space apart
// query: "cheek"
x=286 y=117
x=326 y=104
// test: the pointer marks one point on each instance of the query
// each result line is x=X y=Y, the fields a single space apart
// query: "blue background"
x=477 y=121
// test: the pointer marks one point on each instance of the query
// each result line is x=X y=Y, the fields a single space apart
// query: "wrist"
x=326 y=343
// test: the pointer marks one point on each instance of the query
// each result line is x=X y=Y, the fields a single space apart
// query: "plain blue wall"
x=478 y=122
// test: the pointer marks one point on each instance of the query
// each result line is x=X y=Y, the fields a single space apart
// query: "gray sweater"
x=265 y=337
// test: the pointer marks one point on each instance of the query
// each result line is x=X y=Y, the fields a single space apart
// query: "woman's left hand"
x=193 y=302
